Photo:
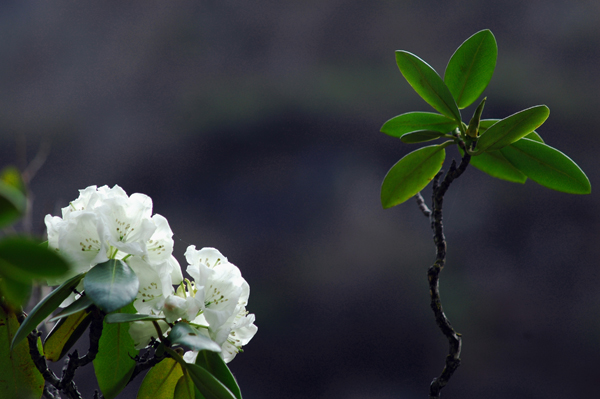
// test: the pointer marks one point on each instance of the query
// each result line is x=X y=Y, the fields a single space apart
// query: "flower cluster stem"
x=440 y=186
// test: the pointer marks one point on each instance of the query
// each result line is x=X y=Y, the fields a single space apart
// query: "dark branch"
x=454 y=339
x=143 y=362
x=65 y=384
x=422 y=206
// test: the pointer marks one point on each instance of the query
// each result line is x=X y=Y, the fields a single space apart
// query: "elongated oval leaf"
x=82 y=303
x=207 y=384
x=496 y=165
x=411 y=174
x=126 y=317
x=214 y=363
x=24 y=259
x=65 y=334
x=111 y=285
x=486 y=123
x=184 y=334
x=115 y=362
x=45 y=307
x=185 y=388
x=12 y=204
x=471 y=67
x=19 y=378
x=415 y=121
x=420 y=136
x=547 y=166
x=161 y=380
x=427 y=83
x=512 y=128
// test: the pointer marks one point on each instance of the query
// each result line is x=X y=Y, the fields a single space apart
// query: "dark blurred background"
x=254 y=127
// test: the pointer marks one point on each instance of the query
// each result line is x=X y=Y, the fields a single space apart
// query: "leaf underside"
x=411 y=174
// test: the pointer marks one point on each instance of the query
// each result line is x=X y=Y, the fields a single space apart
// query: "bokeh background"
x=254 y=126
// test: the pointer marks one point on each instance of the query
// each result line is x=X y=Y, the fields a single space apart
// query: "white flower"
x=104 y=223
x=214 y=302
x=224 y=293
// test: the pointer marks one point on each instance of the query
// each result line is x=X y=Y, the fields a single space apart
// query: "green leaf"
x=115 y=362
x=496 y=165
x=535 y=137
x=12 y=176
x=184 y=334
x=411 y=174
x=185 y=388
x=547 y=166
x=486 y=123
x=126 y=318
x=473 y=128
x=207 y=384
x=24 y=259
x=45 y=307
x=214 y=363
x=512 y=128
x=427 y=83
x=420 y=136
x=82 y=303
x=161 y=380
x=19 y=378
x=416 y=121
x=111 y=285
x=12 y=204
x=16 y=293
x=65 y=334
x=471 y=67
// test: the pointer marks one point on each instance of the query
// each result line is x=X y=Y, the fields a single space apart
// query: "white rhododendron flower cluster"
x=104 y=223
x=214 y=302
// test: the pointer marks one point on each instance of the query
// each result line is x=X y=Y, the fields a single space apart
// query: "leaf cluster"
x=508 y=149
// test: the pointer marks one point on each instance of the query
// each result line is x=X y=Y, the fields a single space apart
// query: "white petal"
x=151 y=294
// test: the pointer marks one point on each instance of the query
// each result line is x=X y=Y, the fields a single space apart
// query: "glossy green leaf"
x=111 y=285
x=473 y=128
x=417 y=121
x=427 y=83
x=471 y=67
x=496 y=165
x=547 y=166
x=512 y=128
x=16 y=293
x=185 y=388
x=19 y=378
x=82 y=303
x=126 y=318
x=48 y=305
x=184 y=334
x=420 y=136
x=207 y=384
x=65 y=334
x=115 y=362
x=535 y=137
x=486 y=123
x=24 y=259
x=12 y=204
x=161 y=380
x=411 y=174
x=214 y=363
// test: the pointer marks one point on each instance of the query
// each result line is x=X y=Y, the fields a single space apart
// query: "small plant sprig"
x=508 y=149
